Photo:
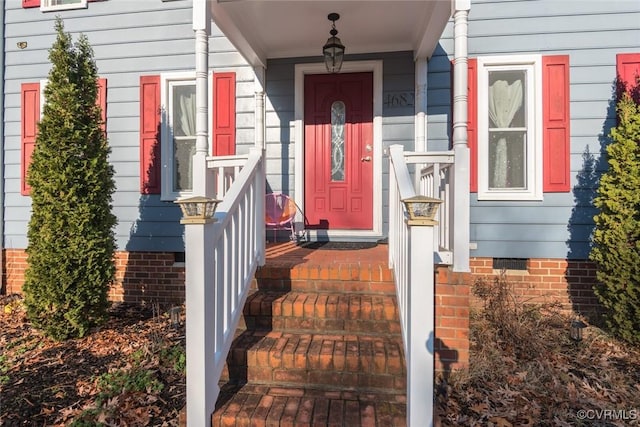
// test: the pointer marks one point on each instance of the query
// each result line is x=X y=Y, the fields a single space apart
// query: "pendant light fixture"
x=333 y=49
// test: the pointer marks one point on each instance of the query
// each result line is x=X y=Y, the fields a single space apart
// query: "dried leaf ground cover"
x=526 y=371
x=129 y=372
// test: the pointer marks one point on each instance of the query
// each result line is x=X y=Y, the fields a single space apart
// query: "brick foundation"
x=156 y=277
x=569 y=283
x=140 y=276
x=14 y=264
x=452 y=319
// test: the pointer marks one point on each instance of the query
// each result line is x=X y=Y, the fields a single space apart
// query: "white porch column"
x=203 y=184
x=461 y=216
x=202 y=387
x=421 y=70
x=420 y=112
x=260 y=134
x=260 y=130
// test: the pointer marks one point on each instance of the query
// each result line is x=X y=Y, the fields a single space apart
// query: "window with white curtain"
x=510 y=128
x=178 y=93
x=48 y=5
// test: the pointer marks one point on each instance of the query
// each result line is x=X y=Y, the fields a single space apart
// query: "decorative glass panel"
x=337 y=141
x=507 y=129
x=184 y=130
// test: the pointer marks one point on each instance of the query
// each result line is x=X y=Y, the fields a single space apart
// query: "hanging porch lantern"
x=333 y=49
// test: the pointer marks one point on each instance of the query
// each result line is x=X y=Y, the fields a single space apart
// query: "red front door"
x=338 y=151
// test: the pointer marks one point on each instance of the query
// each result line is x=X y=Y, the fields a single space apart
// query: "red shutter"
x=150 y=134
x=30 y=3
x=102 y=101
x=472 y=123
x=224 y=114
x=627 y=69
x=30 y=116
x=555 y=112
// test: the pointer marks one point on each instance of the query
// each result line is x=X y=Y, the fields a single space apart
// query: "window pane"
x=507 y=99
x=507 y=160
x=337 y=141
x=183 y=122
x=61 y=2
x=184 y=110
x=183 y=151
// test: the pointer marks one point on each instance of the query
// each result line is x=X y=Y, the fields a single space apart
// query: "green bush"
x=71 y=241
x=616 y=239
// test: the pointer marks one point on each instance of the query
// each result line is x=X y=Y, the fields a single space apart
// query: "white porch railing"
x=411 y=256
x=435 y=180
x=222 y=258
x=224 y=170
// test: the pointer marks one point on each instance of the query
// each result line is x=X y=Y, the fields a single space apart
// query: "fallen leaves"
x=549 y=385
x=56 y=383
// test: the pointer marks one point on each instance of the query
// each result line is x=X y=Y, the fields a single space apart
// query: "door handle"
x=365 y=159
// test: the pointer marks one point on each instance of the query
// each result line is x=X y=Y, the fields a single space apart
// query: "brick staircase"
x=319 y=344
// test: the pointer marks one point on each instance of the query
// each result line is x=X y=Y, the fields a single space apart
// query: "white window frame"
x=166 y=143
x=46 y=6
x=534 y=173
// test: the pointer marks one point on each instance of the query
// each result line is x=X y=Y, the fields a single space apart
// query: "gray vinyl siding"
x=130 y=39
x=397 y=122
x=591 y=33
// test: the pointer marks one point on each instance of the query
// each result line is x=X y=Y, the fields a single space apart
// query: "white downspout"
x=461 y=209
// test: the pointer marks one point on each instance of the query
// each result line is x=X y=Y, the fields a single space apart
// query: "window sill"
x=62 y=7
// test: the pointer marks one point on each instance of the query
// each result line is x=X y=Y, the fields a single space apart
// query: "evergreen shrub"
x=71 y=240
x=616 y=239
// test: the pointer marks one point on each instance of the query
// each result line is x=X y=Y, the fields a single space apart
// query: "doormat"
x=338 y=246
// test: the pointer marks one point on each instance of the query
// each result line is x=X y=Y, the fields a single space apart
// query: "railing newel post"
x=421 y=333
x=202 y=387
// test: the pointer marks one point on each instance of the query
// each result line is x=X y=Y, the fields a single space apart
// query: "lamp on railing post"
x=202 y=388
x=197 y=210
x=422 y=210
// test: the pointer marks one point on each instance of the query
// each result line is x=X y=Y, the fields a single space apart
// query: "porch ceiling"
x=262 y=29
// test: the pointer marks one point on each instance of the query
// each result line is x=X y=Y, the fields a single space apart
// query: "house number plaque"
x=398 y=99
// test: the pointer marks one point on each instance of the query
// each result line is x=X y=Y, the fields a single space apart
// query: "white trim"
x=533 y=87
x=298 y=134
x=45 y=6
x=166 y=175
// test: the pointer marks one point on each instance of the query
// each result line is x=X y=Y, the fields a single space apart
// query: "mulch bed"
x=126 y=372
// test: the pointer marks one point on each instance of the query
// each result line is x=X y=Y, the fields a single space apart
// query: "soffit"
x=263 y=29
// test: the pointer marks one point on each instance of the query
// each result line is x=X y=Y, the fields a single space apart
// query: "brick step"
x=263 y=406
x=360 y=362
x=363 y=287
x=374 y=277
x=327 y=312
